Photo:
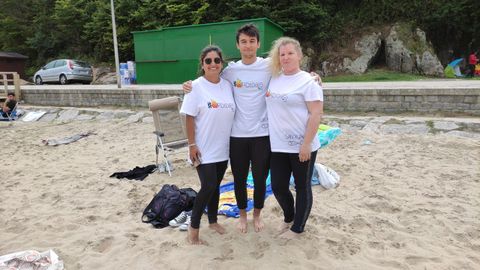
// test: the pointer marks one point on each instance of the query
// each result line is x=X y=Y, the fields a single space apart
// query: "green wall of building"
x=170 y=55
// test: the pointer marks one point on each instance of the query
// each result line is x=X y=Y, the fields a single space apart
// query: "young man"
x=249 y=140
x=9 y=105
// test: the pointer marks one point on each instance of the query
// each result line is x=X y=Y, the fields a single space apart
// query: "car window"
x=80 y=63
x=60 y=63
x=50 y=65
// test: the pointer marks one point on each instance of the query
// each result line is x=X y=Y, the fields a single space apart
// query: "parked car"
x=64 y=71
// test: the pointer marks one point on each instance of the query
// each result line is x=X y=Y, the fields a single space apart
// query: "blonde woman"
x=294 y=107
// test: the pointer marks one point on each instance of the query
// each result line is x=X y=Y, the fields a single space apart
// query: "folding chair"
x=169 y=128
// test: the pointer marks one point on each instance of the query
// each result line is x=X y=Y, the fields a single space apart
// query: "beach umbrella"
x=455 y=62
x=453 y=69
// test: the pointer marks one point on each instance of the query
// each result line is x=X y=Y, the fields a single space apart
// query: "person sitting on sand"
x=209 y=111
x=9 y=105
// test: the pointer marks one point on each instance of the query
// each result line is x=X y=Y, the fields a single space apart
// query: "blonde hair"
x=274 y=53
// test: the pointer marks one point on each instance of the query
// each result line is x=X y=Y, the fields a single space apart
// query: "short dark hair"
x=250 y=30
x=205 y=51
x=10 y=94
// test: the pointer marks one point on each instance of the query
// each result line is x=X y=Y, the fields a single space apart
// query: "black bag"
x=167 y=204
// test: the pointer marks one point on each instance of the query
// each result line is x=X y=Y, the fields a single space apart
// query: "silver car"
x=64 y=71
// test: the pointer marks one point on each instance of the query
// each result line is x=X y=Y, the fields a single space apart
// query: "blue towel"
x=328 y=136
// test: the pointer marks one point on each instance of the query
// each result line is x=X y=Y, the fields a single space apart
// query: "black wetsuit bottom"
x=211 y=176
x=282 y=167
x=243 y=152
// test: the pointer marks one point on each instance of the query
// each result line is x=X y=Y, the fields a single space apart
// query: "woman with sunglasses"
x=294 y=107
x=209 y=111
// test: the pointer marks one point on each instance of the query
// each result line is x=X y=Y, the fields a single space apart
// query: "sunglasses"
x=208 y=61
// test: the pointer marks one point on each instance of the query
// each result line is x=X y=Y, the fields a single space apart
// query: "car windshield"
x=80 y=63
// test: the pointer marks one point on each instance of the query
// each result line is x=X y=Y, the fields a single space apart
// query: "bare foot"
x=284 y=227
x=242 y=223
x=289 y=235
x=257 y=220
x=193 y=237
x=217 y=227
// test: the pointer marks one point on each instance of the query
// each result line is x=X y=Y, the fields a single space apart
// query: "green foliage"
x=47 y=29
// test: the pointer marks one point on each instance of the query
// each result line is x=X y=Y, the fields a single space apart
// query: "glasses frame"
x=215 y=60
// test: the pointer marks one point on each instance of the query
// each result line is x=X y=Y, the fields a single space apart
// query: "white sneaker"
x=179 y=220
x=184 y=226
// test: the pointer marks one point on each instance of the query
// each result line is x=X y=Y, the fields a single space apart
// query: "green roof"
x=209 y=24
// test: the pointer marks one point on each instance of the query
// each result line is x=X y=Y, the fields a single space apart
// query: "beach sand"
x=406 y=201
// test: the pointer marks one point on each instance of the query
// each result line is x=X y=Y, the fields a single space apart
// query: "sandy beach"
x=406 y=200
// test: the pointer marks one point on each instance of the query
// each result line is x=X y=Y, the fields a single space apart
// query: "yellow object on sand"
x=324 y=127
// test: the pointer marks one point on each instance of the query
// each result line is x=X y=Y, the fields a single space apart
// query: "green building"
x=170 y=55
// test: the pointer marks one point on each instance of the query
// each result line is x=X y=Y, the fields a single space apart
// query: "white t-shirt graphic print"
x=250 y=84
x=287 y=110
x=213 y=107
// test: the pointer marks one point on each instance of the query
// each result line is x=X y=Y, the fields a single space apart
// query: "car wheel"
x=63 y=79
x=38 y=80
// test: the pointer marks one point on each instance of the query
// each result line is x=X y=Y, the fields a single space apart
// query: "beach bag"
x=31 y=260
x=328 y=177
x=167 y=204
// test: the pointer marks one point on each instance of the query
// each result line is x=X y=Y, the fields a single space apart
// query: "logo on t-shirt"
x=212 y=104
x=216 y=105
x=269 y=94
x=239 y=84
x=294 y=139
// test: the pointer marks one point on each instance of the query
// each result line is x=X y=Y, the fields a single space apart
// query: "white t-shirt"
x=250 y=83
x=213 y=107
x=287 y=110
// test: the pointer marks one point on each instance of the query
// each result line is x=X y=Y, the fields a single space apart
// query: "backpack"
x=167 y=204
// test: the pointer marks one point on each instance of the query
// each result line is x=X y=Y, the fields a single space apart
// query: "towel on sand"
x=227 y=204
x=138 y=173
x=67 y=140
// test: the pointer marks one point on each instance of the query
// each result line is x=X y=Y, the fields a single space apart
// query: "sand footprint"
x=226 y=254
x=260 y=249
x=414 y=260
x=103 y=245
x=343 y=247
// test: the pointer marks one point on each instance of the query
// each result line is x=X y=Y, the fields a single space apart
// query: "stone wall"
x=458 y=100
x=464 y=101
x=94 y=97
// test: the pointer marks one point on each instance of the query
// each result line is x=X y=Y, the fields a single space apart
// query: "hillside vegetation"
x=46 y=29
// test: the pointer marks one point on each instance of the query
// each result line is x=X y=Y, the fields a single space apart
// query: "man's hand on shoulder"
x=187 y=87
x=316 y=77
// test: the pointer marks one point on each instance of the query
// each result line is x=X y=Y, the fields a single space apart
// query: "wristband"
x=192 y=144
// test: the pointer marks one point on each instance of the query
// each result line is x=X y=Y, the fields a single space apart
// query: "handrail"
x=15 y=78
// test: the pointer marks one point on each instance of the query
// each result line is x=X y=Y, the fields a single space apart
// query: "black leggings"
x=283 y=165
x=243 y=151
x=210 y=175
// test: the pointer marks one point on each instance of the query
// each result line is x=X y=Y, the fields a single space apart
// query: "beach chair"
x=169 y=128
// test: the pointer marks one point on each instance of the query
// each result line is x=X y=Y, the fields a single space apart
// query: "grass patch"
x=394 y=121
x=432 y=128
x=375 y=75
x=429 y=124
